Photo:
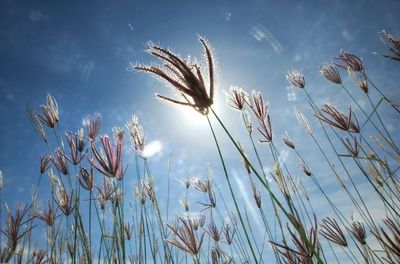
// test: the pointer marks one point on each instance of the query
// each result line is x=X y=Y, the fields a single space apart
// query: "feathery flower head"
x=37 y=123
x=332 y=231
x=295 y=78
x=109 y=162
x=45 y=163
x=48 y=215
x=93 y=125
x=80 y=139
x=50 y=112
x=357 y=229
x=185 y=237
x=237 y=97
x=60 y=161
x=349 y=61
x=337 y=119
x=331 y=73
x=288 y=141
x=86 y=178
x=137 y=134
x=260 y=110
x=392 y=43
x=185 y=78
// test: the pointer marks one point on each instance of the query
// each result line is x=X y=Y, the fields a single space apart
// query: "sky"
x=80 y=51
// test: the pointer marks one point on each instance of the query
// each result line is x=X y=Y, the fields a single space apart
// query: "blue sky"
x=80 y=53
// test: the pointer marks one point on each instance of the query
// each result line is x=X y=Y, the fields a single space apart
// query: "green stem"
x=231 y=191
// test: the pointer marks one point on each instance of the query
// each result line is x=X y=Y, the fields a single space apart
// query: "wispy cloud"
x=260 y=33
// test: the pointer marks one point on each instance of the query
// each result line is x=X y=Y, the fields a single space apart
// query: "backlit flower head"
x=392 y=43
x=237 y=97
x=331 y=73
x=349 y=61
x=186 y=78
x=295 y=78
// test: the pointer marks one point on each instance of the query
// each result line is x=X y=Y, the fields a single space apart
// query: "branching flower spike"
x=186 y=78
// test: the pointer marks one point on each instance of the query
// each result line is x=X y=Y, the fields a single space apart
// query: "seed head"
x=295 y=78
x=331 y=231
x=237 y=97
x=93 y=125
x=331 y=73
x=392 y=43
x=137 y=134
x=184 y=77
x=357 y=229
x=337 y=119
x=349 y=61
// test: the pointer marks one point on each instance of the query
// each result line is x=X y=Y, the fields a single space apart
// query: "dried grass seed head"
x=93 y=125
x=295 y=78
x=237 y=98
x=357 y=229
x=185 y=78
x=331 y=73
x=337 y=119
x=392 y=43
x=137 y=135
x=349 y=61
x=331 y=231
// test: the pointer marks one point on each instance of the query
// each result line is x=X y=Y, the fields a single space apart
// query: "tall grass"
x=93 y=214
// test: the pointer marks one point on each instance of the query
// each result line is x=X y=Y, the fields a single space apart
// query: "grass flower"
x=37 y=123
x=237 y=98
x=337 y=119
x=14 y=224
x=48 y=215
x=213 y=232
x=109 y=162
x=349 y=61
x=137 y=135
x=86 y=178
x=331 y=73
x=93 y=125
x=260 y=110
x=63 y=200
x=50 y=112
x=185 y=237
x=128 y=230
x=73 y=143
x=357 y=229
x=331 y=231
x=186 y=78
x=60 y=161
x=390 y=245
x=303 y=121
x=288 y=141
x=45 y=163
x=295 y=78
x=392 y=43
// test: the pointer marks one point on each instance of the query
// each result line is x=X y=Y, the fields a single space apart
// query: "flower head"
x=185 y=77
x=237 y=97
x=136 y=132
x=331 y=73
x=349 y=61
x=392 y=43
x=295 y=78
x=93 y=125
x=50 y=112
x=109 y=162
x=337 y=119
